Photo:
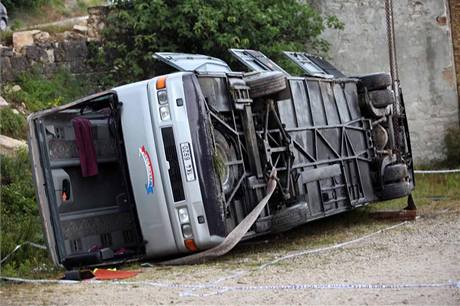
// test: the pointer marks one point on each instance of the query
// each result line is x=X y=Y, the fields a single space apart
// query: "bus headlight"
x=187 y=231
x=183 y=215
x=164 y=113
x=162 y=97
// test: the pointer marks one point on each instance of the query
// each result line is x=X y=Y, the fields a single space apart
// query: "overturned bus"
x=171 y=165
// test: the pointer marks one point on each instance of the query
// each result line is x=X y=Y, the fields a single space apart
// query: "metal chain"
x=391 y=40
x=394 y=76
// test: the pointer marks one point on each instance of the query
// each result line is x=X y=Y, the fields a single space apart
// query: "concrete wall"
x=425 y=55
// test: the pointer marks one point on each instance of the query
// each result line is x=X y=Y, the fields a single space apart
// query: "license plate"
x=187 y=160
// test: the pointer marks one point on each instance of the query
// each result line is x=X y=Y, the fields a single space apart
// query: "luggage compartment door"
x=314 y=65
x=192 y=62
x=256 y=60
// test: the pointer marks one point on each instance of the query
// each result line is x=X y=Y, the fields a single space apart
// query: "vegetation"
x=12 y=124
x=18 y=209
x=136 y=29
x=19 y=217
x=38 y=92
x=429 y=189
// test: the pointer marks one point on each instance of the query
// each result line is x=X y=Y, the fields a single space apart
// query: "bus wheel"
x=265 y=83
x=224 y=155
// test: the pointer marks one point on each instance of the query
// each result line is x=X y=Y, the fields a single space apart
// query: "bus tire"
x=382 y=98
x=266 y=83
x=375 y=81
x=395 y=173
x=395 y=190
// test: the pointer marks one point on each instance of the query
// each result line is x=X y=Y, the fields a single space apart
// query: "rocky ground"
x=424 y=252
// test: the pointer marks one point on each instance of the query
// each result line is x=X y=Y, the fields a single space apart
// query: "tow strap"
x=234 y=237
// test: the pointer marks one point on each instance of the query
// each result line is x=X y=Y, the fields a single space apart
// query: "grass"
x=429 y=189
x=53 y=29
x=20 y=220
x=12 y=124
x=38 y=92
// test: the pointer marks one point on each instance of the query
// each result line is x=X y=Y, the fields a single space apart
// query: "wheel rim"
x=225 y=153
x=225 y=171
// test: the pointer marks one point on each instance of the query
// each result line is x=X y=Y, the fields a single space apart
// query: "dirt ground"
x=418 y=254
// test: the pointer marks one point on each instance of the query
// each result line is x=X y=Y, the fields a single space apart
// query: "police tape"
x=190 y=289
x=447 y=171
x=239 y=274
x=332 y=247
x=33 y=244
x=453 y=284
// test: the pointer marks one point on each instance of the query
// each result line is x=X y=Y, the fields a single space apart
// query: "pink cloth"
x=84 y=139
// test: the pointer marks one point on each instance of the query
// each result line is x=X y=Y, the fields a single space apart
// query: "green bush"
x=20 y=220
x=39 y=92
x=12 y=124
x=138 y=28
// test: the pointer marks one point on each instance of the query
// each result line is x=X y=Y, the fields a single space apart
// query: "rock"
x=50 y=53
x=35 y=53
x=3 y=102
x=95 y=22
x=19 y=64
x=42 y=37
x=6 y=51
x=24 y=38
x=98 y=11
x=80 y=28
x=77 y=66
x=9 y=146
x=16 y=88
x=50 y=68
x=22 y=109
x=6 y=69
x=71 y=50
x=72 y=35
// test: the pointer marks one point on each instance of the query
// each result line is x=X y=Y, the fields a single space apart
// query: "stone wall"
x=97 y=17
x=38 y=50
x=425 y=55
x=48 y=52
